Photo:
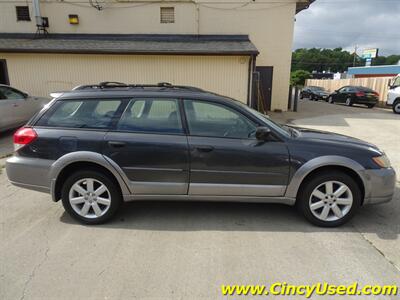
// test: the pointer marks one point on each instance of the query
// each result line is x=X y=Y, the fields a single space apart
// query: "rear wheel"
x=396 y=107
x=349 y=102
x=371 y=105
x=329 y=199
x=90 y=197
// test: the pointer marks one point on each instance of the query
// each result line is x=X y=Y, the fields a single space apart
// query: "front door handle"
x=204 y=148
x=116 y=144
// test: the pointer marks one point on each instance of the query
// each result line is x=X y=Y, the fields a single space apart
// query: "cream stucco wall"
x=269 y=23
x=41 y=74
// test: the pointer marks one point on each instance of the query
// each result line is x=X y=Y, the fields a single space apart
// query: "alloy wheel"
x=331 y=201
x=330 y=99
x=89 y=198
x=348 y=102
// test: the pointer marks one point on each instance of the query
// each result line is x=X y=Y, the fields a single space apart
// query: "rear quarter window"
x=81 y=114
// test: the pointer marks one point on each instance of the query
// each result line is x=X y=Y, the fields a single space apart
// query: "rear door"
x=225 y=157
x=150 y=146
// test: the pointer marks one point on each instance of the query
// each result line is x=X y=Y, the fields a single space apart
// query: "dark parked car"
x=314 y=93
x=99 y=145
x=354 y=95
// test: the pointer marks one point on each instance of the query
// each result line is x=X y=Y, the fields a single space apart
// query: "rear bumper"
x=29 y=173
x=381 y=185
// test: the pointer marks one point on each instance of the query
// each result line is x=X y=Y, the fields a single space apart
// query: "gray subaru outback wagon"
x=99 y=145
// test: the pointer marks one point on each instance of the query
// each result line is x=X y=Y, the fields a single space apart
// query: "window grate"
x=23 y=13
x=167 y=15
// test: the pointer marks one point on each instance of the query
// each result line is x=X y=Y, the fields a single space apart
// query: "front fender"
x=324 y=161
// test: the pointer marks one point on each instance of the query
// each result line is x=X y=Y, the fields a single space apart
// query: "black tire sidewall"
x=116 y=197
x=308 y=187
x=397 y=102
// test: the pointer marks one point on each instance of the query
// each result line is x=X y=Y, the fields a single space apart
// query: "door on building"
x=3 y=72
x=265 y=85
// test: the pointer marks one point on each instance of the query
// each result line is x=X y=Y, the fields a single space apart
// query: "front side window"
x=211 y=119
x=152 y=115
x=81 y=114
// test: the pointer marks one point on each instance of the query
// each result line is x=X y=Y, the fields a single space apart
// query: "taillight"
x=360 y=94
x=23 y=137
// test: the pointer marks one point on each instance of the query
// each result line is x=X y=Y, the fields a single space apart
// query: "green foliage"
x=334 y=60
x=299 y=77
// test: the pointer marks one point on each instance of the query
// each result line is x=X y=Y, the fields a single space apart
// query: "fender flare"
x=84 y=157
x=323 y=161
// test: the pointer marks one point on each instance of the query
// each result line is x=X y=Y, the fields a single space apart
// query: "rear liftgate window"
x=95 y=114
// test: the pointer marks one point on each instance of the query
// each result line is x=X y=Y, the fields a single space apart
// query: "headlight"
x=382 y=161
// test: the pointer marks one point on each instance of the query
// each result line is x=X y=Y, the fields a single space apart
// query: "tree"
x=333 y=60
x=299 y=77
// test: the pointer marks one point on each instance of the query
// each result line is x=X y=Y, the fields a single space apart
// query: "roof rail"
x=114 y=84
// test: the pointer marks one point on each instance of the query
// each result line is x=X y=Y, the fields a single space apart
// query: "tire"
x=330 y=100
x=301 y=96
x=396 y=107
x=311 y=98
x=370 y=105
x=97 y=211
x=349 y=102
x=314 y=208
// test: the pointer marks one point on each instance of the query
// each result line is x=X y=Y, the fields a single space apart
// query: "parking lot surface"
x=177 y=250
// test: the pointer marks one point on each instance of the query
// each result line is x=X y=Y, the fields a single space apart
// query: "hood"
x=307 y=134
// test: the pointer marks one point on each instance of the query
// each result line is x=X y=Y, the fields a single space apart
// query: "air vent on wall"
x=23 y=13
x=167 y=15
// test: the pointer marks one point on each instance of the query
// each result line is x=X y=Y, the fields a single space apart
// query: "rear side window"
x=81 y=114
x=152 y=115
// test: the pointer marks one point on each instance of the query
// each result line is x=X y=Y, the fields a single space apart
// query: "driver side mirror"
x=263 y=133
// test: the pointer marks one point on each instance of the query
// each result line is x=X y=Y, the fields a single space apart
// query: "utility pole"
x=355 y=55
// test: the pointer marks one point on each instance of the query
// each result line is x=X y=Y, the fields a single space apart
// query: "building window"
x=167 y=15
x=23 y=13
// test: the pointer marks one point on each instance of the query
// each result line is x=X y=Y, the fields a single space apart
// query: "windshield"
x=285 y=130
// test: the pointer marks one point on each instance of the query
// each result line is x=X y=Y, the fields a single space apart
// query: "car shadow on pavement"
x=256 y=217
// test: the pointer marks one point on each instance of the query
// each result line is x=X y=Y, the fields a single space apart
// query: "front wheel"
x=329 y=199
x=349 y=102
x=396 y=107
x=90 y=197
x=370 y=105
x=330 y=100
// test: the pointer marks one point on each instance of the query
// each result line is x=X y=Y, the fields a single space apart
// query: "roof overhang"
x=303 y=4
x=145 y=44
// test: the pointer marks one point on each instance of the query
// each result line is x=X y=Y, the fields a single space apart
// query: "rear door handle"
x=204 y=148
x=116 y=144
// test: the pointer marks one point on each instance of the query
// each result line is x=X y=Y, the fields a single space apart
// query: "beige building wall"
x=269 y=23
x=41 y=74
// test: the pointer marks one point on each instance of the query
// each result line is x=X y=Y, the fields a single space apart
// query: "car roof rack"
x=115 y=84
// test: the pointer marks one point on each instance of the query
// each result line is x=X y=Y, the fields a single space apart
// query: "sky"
x=347 y=23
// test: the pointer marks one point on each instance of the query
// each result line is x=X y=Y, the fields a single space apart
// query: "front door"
x=151 y=148
x=225 y=157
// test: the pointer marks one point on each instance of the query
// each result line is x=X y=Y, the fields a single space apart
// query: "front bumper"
x=380 y=185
